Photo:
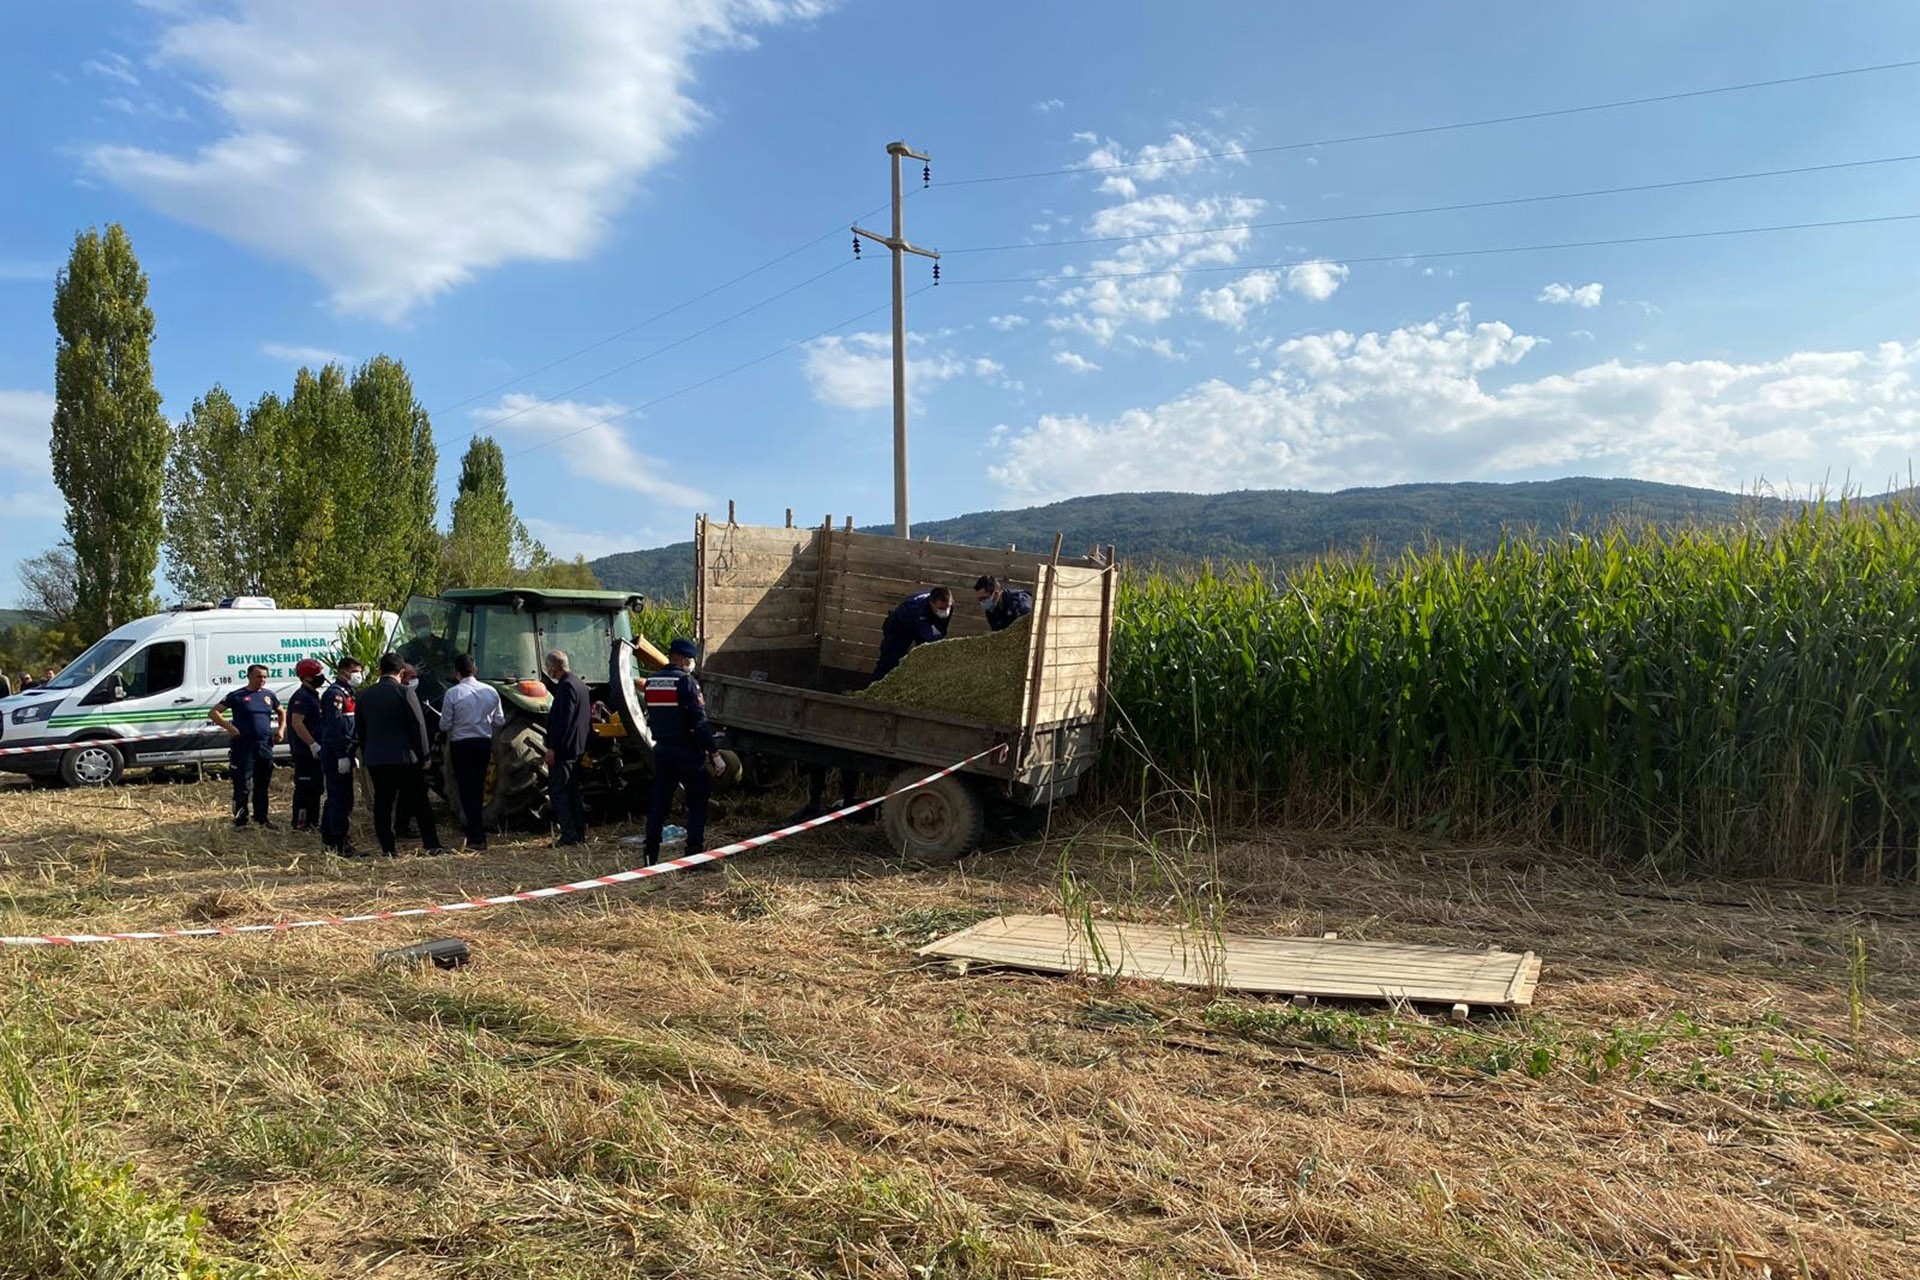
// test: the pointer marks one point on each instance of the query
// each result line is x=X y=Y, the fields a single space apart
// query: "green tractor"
x=509 y=631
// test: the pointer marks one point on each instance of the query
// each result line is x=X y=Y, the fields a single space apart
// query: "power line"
x=724 y=373
x=1078 y=276
x=662 y=350
x=1438 y=208
x=656 y=316
x=1424 y=130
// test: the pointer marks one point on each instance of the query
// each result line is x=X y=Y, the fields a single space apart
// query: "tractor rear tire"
x=517 y=777
x=939 y=822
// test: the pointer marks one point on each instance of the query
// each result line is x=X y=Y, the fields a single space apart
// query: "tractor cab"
x=509 y=631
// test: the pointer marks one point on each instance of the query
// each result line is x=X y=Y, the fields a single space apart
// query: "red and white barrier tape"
x=188 y=732
x=505 y=899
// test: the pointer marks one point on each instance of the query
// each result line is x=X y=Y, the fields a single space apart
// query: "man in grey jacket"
x=392 y=733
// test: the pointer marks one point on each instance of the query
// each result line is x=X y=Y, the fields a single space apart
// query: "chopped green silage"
x=978 y=677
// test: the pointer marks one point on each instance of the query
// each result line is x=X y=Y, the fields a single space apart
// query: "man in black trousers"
x=569 y=728
x=392 y=733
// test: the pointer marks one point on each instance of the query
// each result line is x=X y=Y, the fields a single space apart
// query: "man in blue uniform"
x=919 y=619
x=683 y=747
x=337 y=735
x=258 y=722
x=303 y=742
x=1005 y=605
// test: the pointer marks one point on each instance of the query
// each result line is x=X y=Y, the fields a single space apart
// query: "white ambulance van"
x=156 y=679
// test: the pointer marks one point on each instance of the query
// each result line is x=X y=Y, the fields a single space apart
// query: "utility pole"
x=897 y=242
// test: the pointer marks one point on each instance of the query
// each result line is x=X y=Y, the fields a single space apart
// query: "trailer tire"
x=517 y=776
x=939 y=822
x=97 y=763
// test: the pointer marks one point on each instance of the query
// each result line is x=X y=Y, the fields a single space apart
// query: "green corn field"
x=1734 y=700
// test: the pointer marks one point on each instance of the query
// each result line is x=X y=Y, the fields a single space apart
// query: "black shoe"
x=267 y=823
x=388 y=853
x=653 y=856
x=348 y=851
x=436 y=851
x=864 y=818
x=804 y=813
x=475 y=846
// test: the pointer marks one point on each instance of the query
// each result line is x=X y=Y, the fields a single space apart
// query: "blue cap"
x=683 y=649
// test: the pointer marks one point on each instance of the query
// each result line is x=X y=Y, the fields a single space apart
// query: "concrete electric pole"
x=897 y=242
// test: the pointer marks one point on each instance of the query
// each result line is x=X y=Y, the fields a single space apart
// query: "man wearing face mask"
x=337 y=759
x=919 y=619
x=1005 y=605
x=303 y=742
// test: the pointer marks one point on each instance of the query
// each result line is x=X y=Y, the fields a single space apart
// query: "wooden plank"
x=1326 y=968
x=1065 y=704
x=1073 y=631
x=961 y=552
x=759 y=628
x=745 y=643
x=800 y=608
x=1071 y=655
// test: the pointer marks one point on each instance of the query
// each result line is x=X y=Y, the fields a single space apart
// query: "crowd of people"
x=24 y=681
x=335 y=730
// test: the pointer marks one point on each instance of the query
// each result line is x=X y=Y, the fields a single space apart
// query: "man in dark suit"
x=392 y=734
x=569 y=728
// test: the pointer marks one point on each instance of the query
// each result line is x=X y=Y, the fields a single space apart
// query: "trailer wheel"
x=939 y=822
x=92 y=764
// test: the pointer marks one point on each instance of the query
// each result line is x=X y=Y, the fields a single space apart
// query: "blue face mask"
x=987 y=603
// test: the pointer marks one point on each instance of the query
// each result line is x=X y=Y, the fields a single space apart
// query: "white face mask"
x=353 y=679
x=941 y=613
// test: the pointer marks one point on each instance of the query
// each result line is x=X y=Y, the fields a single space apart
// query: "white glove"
x=344 y=764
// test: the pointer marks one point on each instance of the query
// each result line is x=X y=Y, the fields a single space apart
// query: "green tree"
x=211 y=503
x=484 y=534
x=109 y=438
x=391 y=519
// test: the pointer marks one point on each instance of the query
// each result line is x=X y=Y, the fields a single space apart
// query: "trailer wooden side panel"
x=756 y=600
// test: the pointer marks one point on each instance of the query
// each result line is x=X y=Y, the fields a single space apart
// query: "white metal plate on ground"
x=1329 y=968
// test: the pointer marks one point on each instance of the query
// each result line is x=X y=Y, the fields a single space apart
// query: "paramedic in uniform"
x=258 y=722
x=337 y=762
x=683 y=748
x=303 y=733
x=919 y=619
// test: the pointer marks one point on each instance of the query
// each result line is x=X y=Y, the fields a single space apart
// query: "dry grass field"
x=744 y=1071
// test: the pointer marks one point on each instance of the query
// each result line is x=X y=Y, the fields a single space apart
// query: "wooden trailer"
x=789 y=621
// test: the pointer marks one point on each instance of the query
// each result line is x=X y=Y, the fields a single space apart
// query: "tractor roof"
x=540 y=598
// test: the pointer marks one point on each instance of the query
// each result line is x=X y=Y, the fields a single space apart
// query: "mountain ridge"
x=1275 y=526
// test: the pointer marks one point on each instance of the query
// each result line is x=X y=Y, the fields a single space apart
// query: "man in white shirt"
x=469 y=715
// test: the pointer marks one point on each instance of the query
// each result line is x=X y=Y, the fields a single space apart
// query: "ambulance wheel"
x=93 y=764
x=517 y=776
x=939 y=822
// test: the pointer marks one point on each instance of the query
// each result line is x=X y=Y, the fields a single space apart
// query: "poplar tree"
x=485 y=535
x=109 y=439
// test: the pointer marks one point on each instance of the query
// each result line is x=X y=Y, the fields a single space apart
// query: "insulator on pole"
x=926 y=175
x=856 y=246
x=936 y=275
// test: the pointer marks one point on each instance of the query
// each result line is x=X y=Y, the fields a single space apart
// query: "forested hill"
x=1275 y=526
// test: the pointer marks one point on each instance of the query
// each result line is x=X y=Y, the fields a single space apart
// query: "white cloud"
x=856 y=372
x=111 y=66
x=594 y=447
x=1162 y=347
x=1585 y=335
x=1047 y=106
x=1006 y=323
x=294 y=353
x=1102 y=308
x=1231 y=303
x=1319 y=280
x=1336 y=409
x=26 y=432
x=1184 y=152
x=397 y=149
x=1566 y=295
x=1073 y=362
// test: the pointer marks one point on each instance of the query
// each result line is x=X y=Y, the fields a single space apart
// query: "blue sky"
x=483 y=190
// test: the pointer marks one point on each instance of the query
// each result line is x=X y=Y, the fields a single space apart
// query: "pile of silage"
x=976 y=677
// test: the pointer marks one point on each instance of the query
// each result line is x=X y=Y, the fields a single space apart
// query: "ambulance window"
x=155 y=669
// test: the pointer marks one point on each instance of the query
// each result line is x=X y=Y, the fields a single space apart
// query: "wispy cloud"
x=111 y=66
x=1047 y=106
x=294 y=353
x=1074 y=362
x=589 y=441
x=856 y=371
